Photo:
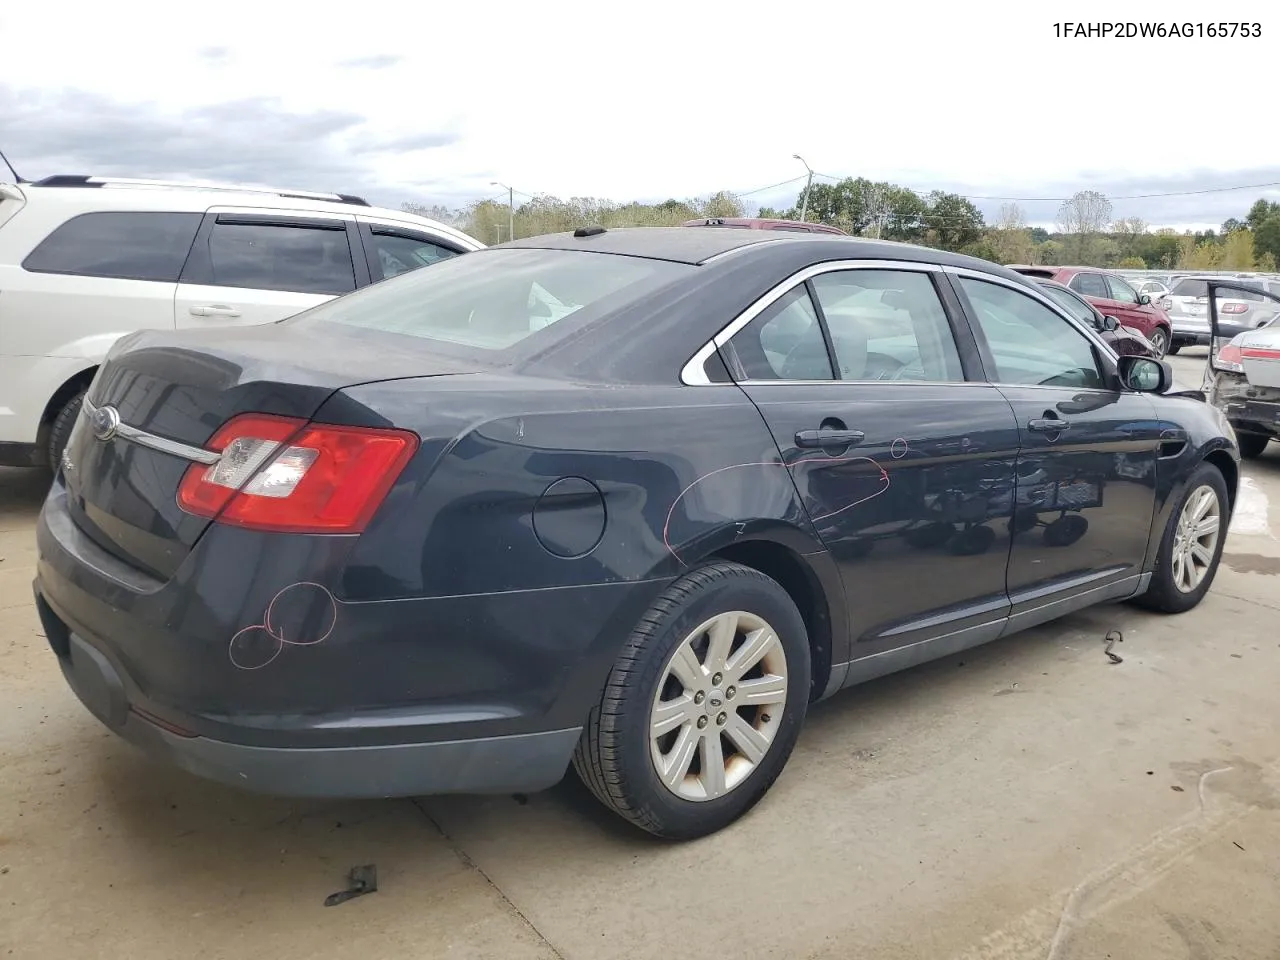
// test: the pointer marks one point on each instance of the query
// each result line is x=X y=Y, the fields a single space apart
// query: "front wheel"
x=1160 y=341
x=704 y=704
x=60 y=429
x=1192 y=545
x=1174 y=347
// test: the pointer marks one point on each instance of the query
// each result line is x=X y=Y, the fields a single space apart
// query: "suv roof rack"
x=81 y=180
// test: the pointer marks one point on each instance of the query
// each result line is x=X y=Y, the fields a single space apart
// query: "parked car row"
x=623 y=500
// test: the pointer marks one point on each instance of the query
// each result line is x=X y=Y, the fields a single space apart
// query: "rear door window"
x=1090 y=285
x=784 y=342
x=396 y=251
x=125 y=246
x=296 y=258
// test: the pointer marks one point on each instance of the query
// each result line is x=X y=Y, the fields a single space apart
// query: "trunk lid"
x=182 y=387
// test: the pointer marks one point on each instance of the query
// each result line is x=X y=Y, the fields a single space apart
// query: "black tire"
x=1174 y=347
x=1252 y=445
x=1160 y=340
x=613 y=757
x=60 y=429
x=1163 y=595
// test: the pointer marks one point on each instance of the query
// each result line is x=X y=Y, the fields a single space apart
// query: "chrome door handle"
x=1046 y=425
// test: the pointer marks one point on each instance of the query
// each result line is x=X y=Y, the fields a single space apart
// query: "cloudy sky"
x=432 y=103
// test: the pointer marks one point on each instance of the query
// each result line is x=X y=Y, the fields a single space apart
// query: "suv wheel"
x=1160 y=340
x=60 y=429
x=1252 y=445
x=703 y=706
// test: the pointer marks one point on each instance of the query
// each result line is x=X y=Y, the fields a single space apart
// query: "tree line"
x=1085 y=234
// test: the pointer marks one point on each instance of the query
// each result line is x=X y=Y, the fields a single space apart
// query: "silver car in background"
x=1238 y=311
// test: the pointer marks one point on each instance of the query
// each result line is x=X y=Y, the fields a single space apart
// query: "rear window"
x=123 y=246
x=1199 y=288
x=493 y=299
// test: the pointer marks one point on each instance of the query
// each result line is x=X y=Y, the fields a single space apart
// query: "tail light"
x=1230 y=357
x=1234 y=308
x=291 y=476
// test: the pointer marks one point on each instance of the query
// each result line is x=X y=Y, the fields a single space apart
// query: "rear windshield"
x=1199 y=288
x=493 y=299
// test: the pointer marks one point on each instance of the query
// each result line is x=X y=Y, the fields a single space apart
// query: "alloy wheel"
x=1160 y=342
x=1196 y=540
x=718 y=707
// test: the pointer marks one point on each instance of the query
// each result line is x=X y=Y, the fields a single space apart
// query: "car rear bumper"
x=506 y=764
x=461 y=694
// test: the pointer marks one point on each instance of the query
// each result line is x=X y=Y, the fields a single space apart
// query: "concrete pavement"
x=1026 y=799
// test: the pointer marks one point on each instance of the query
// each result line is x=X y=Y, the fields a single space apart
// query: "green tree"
x=1237 y=251
x=952 y=221
x=1132 y=263
x=1049 y=253
x=1231 y=225
x=1259 y=212
x=1266 y=236
x=1039 y=234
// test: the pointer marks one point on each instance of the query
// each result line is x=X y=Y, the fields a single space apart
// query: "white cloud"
x=664 y=98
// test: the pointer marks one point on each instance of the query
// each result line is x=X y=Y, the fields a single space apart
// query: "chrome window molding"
x=154 y=441
x=694 y=374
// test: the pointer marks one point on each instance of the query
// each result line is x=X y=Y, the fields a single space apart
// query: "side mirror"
x=1110 y=324
x=1143 y=299
x=1144 y=375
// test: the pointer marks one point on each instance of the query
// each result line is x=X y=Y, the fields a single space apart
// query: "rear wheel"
x=1174 y=347
x=1252 y=445
x=1192 y=545
x=1160 y=340
x=703 y=706
x=60 y=429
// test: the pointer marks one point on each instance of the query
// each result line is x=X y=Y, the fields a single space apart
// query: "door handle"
x=828 y=438
x=1049 y=425
x=213 y=310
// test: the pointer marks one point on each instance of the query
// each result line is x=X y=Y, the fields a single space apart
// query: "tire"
x=1160 y=340
x=616 y=757
x=1174 y=347
x=1164 y=595
x=1252 y=445
x=60 y=429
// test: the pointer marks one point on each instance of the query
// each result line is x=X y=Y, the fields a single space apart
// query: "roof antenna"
x=16 y=178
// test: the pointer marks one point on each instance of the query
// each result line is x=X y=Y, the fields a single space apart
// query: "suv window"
x=887 y=325
x=397 y=253
x=1080 y=309
x=125 y=246
x=1090 y=285
x=784 y=342
x=1029 y=342
x=268 y=256
x=1120 y=290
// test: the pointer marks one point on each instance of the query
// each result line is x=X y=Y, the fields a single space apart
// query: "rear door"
x=1089 y=454
x=903 y=461
x=260 y=267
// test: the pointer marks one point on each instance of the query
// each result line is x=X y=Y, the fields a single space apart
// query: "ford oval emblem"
x=105 y=423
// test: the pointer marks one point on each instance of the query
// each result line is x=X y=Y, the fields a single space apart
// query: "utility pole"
x=511 y=209
x=804 y=204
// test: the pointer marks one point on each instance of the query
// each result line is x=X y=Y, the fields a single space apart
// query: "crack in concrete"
x=468 y=862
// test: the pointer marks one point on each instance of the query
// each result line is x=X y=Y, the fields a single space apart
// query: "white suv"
x=86 y=260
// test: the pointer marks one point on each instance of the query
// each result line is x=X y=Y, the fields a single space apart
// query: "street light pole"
x=511 y=209
x=804 y=204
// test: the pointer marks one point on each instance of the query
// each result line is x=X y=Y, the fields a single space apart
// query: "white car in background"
x=86 y=260
x=1243 y=381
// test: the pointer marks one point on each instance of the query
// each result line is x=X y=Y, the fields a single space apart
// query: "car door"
x=1131 y=312
x=260 y=267
x=1088 y=458
x=903 y=460
x=392 y=249
x=1093 y=286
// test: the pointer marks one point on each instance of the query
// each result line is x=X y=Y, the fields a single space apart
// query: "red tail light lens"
x=1235 y=308
x=290 y=476
x=1230 y=357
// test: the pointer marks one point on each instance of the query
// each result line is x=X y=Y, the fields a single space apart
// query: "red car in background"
x=1113 y=297
x=764 y=223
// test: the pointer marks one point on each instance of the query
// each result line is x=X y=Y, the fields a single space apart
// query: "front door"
x=260 y=268
x=1086 y=491
x=904 y=466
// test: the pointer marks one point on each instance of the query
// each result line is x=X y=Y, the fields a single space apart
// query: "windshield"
x=493 y=299
x=1200 y=288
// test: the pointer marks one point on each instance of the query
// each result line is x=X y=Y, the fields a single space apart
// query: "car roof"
x=695 y=247
x=91 y=194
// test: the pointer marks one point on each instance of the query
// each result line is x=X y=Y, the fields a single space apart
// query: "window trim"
x=1107 y=355
x=693 y=373
x=1137 y=295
